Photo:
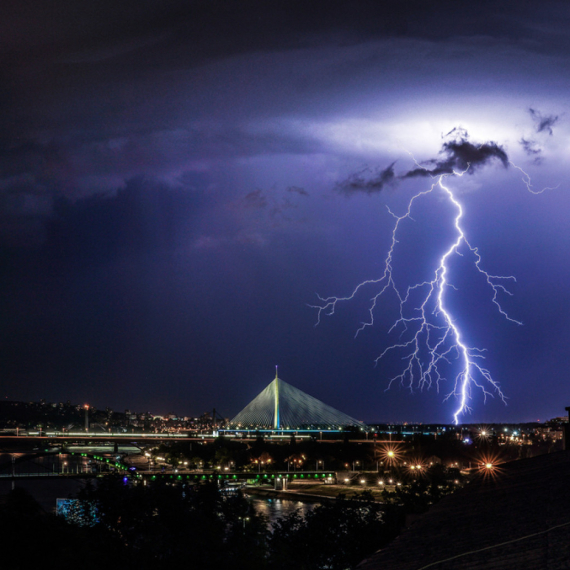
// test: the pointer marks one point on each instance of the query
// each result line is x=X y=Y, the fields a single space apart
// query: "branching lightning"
x=430 y=336
x=528 y=182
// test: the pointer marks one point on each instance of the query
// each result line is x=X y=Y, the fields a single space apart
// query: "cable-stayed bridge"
x=282 y=407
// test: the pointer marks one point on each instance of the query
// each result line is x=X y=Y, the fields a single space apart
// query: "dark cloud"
x=297 y=190
x=25 y=209
x=457 y=155
x=543 y=123
x=94 y=93
x=105 y=31
x=254 y=199
x=531 y=148
x=278 y=204
x=456 y=132
x=460 y=155
x=144 y=216
x=368 y=180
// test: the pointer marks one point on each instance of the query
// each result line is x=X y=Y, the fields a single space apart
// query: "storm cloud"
x=460 y=155
x=457 y=155
x=543 y=123
x=369 y=181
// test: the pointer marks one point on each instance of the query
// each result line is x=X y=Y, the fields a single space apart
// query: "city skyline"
x=180 y=183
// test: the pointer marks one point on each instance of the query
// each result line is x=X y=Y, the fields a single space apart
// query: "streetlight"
x=244 y=519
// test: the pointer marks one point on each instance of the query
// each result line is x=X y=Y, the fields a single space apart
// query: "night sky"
x=179 y=181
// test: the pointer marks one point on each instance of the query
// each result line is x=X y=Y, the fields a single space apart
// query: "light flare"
x=489 y=465
x=391 y=453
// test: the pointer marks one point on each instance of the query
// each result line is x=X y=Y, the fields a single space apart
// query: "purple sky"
x=179 y=180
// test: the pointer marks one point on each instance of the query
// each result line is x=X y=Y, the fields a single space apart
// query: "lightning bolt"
x=528 y=182
x=431 y=335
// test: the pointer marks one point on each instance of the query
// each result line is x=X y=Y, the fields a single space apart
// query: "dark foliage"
x=160 y=525
x=336 y=536
x=32 y=538
x=418 y=495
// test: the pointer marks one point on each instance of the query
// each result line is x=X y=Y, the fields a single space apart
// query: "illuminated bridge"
x=254 y=478
x=282 y=407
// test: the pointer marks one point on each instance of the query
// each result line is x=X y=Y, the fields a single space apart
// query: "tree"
x=336 y=535
x=163 y=524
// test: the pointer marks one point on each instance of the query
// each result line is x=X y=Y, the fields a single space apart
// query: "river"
x=47 y=490
x=274 y=508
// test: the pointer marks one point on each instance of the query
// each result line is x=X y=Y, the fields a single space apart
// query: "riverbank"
x=314 y=493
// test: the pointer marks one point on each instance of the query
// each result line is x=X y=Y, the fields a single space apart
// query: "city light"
x=489 y=465
x=390 y=453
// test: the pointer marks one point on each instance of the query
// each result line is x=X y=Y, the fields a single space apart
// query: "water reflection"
x=19 y=463
x=275 y=508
